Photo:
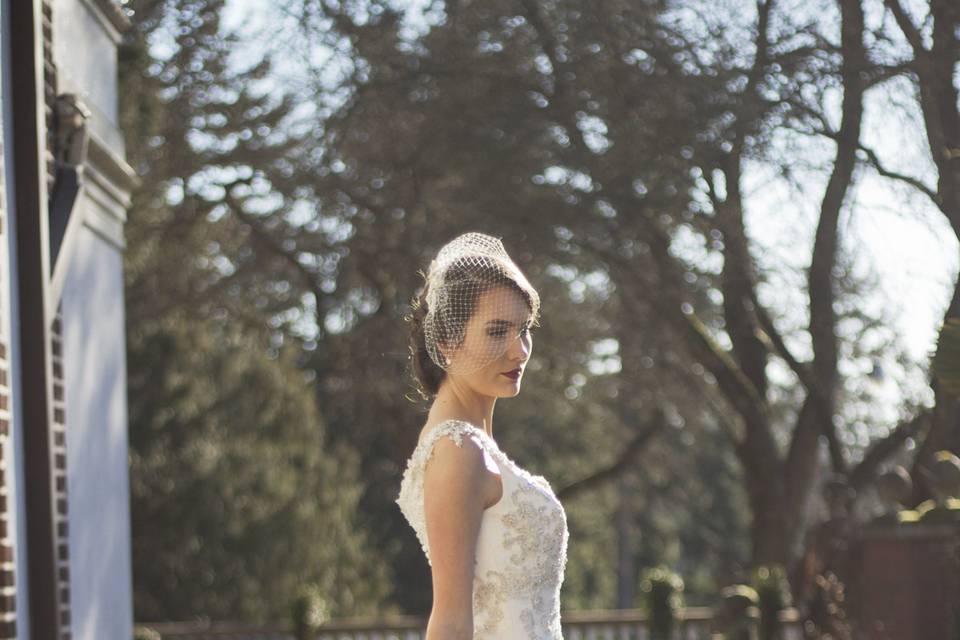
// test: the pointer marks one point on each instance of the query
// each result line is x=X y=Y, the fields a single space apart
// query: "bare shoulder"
x=457 y=465
x=453 y=464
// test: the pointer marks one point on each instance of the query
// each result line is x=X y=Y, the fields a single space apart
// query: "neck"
x=459 y=402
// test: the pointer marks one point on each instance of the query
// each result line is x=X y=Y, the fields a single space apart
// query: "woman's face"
x=498 y=339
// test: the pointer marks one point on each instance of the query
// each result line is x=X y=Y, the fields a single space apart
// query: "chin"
x=510 y=392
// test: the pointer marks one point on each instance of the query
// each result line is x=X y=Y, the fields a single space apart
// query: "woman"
x=495 y=535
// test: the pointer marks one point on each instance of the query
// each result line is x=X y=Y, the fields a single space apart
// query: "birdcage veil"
x=473 y=282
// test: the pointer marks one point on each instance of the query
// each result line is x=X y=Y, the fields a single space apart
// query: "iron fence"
x=626 y=624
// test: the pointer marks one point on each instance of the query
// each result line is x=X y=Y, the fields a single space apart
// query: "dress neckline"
x=423 y=451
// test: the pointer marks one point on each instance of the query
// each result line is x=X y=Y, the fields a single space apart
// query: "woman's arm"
x=453 y=507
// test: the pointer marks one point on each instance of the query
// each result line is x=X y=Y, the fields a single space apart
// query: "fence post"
x=663 y=589
x=738 y=614
x=773 y=596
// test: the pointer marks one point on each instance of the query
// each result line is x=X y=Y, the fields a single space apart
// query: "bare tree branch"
x=910 y=31
x=878 y=74
x=735 y=386
x=893 y=175
x=778 y=346
x=266 y=239
x=654 y=425
x=880 y=450
x=820 y=275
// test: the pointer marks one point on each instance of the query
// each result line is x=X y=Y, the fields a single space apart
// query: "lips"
x=513 y=375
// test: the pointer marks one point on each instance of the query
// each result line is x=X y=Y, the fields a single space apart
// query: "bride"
x=494 y=534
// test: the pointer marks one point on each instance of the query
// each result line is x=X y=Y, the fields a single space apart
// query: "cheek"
x=477 y=344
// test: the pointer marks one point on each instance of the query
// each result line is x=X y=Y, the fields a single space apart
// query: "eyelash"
x=500 y=333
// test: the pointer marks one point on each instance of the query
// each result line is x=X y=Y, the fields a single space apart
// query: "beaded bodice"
x=521 y=548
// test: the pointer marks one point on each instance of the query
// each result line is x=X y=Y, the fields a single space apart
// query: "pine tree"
x=238 y=498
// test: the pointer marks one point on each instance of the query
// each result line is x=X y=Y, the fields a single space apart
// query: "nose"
x=520 y=348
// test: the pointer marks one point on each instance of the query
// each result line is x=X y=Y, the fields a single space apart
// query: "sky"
x=885 y=228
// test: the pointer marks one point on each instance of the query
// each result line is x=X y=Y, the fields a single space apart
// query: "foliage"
x=611 y=145
x=309 y=611
x=237 y=496
x=145 y=633
x=827 y=615
x=946 y=360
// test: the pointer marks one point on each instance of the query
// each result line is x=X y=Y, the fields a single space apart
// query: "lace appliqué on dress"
x=522 y=546
x=535 y=538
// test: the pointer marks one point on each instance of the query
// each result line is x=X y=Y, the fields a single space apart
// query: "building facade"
x=65 y=567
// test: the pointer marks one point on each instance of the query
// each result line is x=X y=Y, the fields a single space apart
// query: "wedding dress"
x=521 y=548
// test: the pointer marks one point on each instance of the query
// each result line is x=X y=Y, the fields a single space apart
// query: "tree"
x=238 y=499
x=932 y=70
x=612 y=143
x=631 y=128
x=237 y=502
x=465 y=155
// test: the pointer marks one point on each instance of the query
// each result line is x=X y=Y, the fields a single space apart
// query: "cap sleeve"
x=410 y=499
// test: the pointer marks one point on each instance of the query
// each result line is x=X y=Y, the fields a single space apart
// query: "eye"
x=497 y=333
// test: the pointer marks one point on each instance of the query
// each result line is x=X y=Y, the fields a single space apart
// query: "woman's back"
x=521 y=547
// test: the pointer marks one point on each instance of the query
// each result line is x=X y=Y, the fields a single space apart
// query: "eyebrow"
x=504 y=323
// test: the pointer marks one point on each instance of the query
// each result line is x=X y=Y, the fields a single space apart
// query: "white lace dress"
x=521 y=549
